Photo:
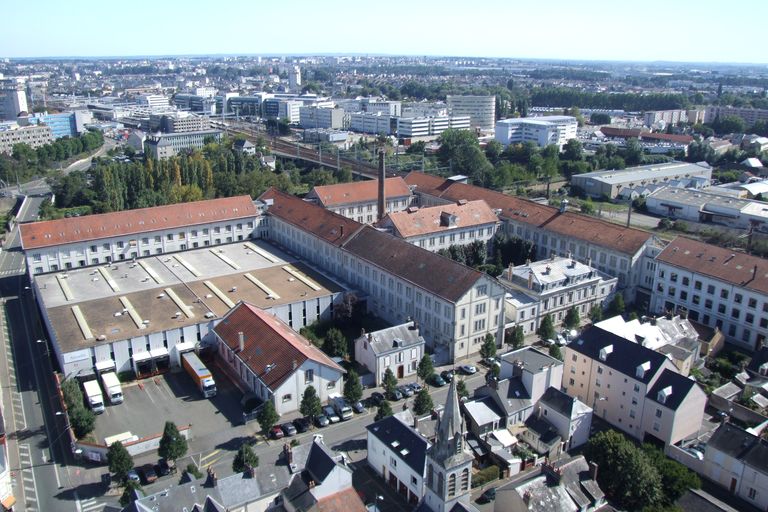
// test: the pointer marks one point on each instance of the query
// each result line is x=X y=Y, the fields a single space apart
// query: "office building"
x=179 y=122
x=33 y=136
x=13 y=98
x=717 y=287
x=542 y=131
x=171 y=144
x=417 y=127
x=288 y=110
x=153 y=101
x=375 y=123
x=642 y=179
x=329 y=118
x=374 y=105
x=480 y=109
x=61 y=125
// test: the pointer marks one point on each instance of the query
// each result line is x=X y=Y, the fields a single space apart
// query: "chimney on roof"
x=241 y=340
x=341 y=231
x=382 y=176
x=593 y=471
x=530 y=279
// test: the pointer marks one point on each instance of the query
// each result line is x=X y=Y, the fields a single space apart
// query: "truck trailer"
x=112 y=387
x=199 y=373
x=94 y=396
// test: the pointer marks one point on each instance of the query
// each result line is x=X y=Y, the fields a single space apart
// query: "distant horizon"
x=683 y=31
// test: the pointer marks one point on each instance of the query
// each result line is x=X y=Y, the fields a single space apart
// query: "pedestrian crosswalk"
x=27 y=476
x=90 y=505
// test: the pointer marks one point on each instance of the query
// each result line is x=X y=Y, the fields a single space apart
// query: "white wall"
x=379 y=456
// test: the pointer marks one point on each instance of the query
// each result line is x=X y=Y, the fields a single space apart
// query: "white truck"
x=112 y=387
x=339 y=405
x=93 y=394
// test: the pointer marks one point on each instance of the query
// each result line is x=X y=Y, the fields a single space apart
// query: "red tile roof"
x=268 y=341
x=540 y=216
x=624 y=133
x=423 y=221
x=342 y=501
x=329 y=226
x=358 y=192
x=427 y=183
x=737 y=268
x=667 y=137
x=133 y=222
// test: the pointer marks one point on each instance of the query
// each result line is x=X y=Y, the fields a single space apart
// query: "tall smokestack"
x=382 y=177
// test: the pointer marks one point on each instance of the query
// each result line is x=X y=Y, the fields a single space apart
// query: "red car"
x=276 y=432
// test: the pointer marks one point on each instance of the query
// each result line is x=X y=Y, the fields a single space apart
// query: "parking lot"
x=149 y=403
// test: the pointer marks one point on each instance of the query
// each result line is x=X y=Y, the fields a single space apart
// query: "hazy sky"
x=680 y=30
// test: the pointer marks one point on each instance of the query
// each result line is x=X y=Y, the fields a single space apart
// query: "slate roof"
x=359 y=192
x=134 y=222
x=411 y=446
x=624 y=358
x=331 y=227
x=320 y=462
x=538 y=216
x=546 y=433
x=268 y=341
x=681 y=387
x=739 y=269
x=423 y=221
x=558 y=401
x=383 y=341
x=759 y=358
x=740 y=444
x=511 y=396
x=413 y=264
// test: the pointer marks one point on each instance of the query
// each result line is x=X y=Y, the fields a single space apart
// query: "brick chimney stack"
x=382 y=204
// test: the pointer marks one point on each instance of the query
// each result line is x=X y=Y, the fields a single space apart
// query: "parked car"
x=358 y=407
x=321 y=421
x=376 y=398
x=133 y=475
x=437 y=381
x=276 y=432
x=288 y=429
x=490 y=361
x=405 y=390
x=148 y=475
x=561 y=340
x=331 y=414
x=488 y=496
x=165 y=467
x=395 y=395
x=468 y=369
x=696 y=453
x=415 y=386
x=447 y=375
x=301 y=424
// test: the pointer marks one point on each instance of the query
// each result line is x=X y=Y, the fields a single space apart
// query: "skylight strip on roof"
x=260 y=252
x=187 y=265
x=302 y=278
x=149 y=270
x=81 y=323
x=132 y=312
x=180 y=303
x=222 y=297
x=220 y=254
x=108 y=278
x=266 y=289
x=65 y=287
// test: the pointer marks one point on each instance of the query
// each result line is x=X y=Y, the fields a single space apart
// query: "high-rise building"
x=13 y=99
x=294 y=79
x=480 y=109
x=33 y=136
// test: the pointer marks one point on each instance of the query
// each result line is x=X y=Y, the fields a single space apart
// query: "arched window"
x=465 y=479
x=452 y=485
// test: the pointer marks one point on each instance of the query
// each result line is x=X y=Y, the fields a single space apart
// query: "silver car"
x=329 y=413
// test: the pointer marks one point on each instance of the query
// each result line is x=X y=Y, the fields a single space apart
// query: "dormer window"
x=641 y=369
x=662 y=396
x=605 y=352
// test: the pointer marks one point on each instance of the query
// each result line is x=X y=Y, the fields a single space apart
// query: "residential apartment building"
x=171 y=144
x=717 y=287
x=480 y=109
x=634 y=388
x=439 y=227
x=737 y=460
x=398 y=348
x=612 y=183
x=552 y=287
x=33 y=136
x=672 y=117
x=358 y=200
x=180 y=122
x=329 y=118
x=61 y=244
x=393 y=276
x=749 y=115
x=613 y=249
x=273 y=361
x=397 y=453
x=542 y=131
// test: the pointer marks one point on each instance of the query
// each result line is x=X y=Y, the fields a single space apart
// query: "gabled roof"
x=134 y=222
x=407 y=445
x=413 y=264
x=538 y=216
x=677 y=386
x=396 y=337
x=272 y=349
x=358 y=192
x=331 y=227
x=624 y=356
x=736 y=268
x=739 y=444
x=320 y=462
x=423 y=221
x=558 y=401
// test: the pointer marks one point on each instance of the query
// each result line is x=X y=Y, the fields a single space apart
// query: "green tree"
x=599 y=118
x=555 y=352
x=676 y=479
x=82 y=420
x=127 y=497
x=267 y=417
x=595 y=314
x=244 y=458
x=616 y=307
x=173 y=445
x=546 y=330
x=633 y=152
x=573 y=150
x=460 y=151
x=311 y=405
x=515 y=337
x=353 y=390
x=572 y=318
x=390 y=381
x=425 y=368
x=385 y=409
x=488 y=348
x=461 y=388
x=336 y=343
x=423 y=402
x=587 y=206
x=119 y=460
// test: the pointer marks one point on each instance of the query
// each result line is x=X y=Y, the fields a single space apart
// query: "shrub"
x=486 y=475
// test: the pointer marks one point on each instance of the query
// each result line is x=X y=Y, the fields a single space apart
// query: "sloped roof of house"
x=679 y=388
x=737 y=443
x=358 y=192
x=423 y=221
x=407 y=444
x=272 y=349
x=558 y=401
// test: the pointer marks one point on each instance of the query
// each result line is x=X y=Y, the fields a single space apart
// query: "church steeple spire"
x=450 y=430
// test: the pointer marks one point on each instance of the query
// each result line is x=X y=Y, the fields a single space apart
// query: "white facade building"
x=416 y=127
x=480 y=109
x=571 y=417
x=398 y=348
x=358 y=200
x=543 y=131
x=375 y=123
